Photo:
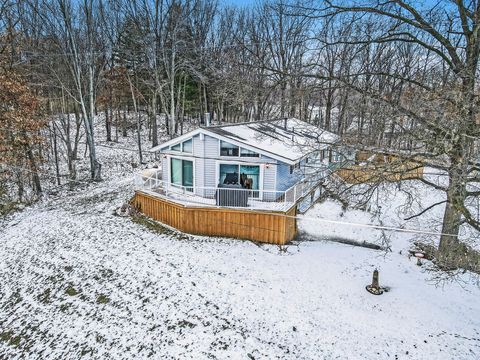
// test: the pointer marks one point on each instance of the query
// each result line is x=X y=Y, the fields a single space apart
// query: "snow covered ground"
x=393 y=205
x=77 y=281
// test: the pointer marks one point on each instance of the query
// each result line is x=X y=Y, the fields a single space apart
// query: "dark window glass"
x=248 y=153
x=229 y=174
x=227 y=149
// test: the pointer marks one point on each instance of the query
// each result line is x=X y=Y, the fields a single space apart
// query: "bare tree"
x=441 y=101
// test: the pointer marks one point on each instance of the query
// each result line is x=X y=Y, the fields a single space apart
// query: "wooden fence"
x=262 y=226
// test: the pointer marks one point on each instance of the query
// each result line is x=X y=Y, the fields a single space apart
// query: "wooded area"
x=395 y=75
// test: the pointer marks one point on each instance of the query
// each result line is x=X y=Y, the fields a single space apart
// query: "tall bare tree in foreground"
x=439 y=91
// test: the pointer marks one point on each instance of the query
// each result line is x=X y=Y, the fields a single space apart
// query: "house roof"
x=287 y=140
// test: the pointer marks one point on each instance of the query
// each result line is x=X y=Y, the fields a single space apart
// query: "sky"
x=238 y=2
x=252 y=2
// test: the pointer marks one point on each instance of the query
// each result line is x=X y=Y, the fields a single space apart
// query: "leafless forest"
x=399 y=75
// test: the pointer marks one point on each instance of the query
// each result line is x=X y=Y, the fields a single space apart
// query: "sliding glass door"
x=250 y=176
x=182 y=173
x=229 y=174
x=247 y=176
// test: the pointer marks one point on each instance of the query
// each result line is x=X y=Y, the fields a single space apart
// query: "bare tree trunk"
x=139 y=120
x=108 y=123
x=37 y=186
x=55 y=152
x=124 y=123
x=153 y=120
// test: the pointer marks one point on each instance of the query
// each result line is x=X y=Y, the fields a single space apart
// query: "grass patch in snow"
x=103 y=299
x=65 y=307
x=44 y=297
x=15 y=298
x=151 y=224
x=158 y=228
x=181 y=324
x=7 y=208
x=71 y=291
x=9 y=338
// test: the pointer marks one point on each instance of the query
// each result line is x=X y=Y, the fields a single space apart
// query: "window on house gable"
x=248 y=153
x=188 y=146
x=227 y=149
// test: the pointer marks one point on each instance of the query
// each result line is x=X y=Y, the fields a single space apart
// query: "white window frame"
x=175 y=187
x=239 y=151
x=248 y=157
x=236 y=162
x=181 y=151
x=226 y=156
x=183 y=143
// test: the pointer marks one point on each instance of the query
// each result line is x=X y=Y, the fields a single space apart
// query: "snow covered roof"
x=287 y=139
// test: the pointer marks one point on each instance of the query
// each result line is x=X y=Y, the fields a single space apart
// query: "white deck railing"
x=222 y=197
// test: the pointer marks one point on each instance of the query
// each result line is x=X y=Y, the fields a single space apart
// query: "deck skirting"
x=273 y=227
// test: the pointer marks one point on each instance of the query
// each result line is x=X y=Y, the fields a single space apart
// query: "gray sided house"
x=274 y=161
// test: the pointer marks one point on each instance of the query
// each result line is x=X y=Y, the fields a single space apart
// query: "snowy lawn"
x=393 y=205
x=77 y=281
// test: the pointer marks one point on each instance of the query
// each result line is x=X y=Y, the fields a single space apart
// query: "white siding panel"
x=165 y=175
x=269 y=173
x=211 y=153
x=198 y=153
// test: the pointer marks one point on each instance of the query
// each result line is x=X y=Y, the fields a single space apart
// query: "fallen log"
x=303 y=236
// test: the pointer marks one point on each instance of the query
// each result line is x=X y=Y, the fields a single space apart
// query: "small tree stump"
x=374 y=288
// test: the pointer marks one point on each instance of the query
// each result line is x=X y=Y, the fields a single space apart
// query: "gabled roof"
x=287 y=140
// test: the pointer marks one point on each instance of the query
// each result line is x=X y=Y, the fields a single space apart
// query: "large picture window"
x=247 y=176
x=182 y=173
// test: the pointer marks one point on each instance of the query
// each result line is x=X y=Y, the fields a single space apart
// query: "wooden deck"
x=375 y=167
x=358 y=174
x=273 y=227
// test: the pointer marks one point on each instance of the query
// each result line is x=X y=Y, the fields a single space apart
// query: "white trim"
x=183 y=142
x=239 y=156
x=226 y=156
x=181 y=151
x=250 y=147
x=245 y=145
x=169 y=164
x=176 y=140
x=220 y=137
